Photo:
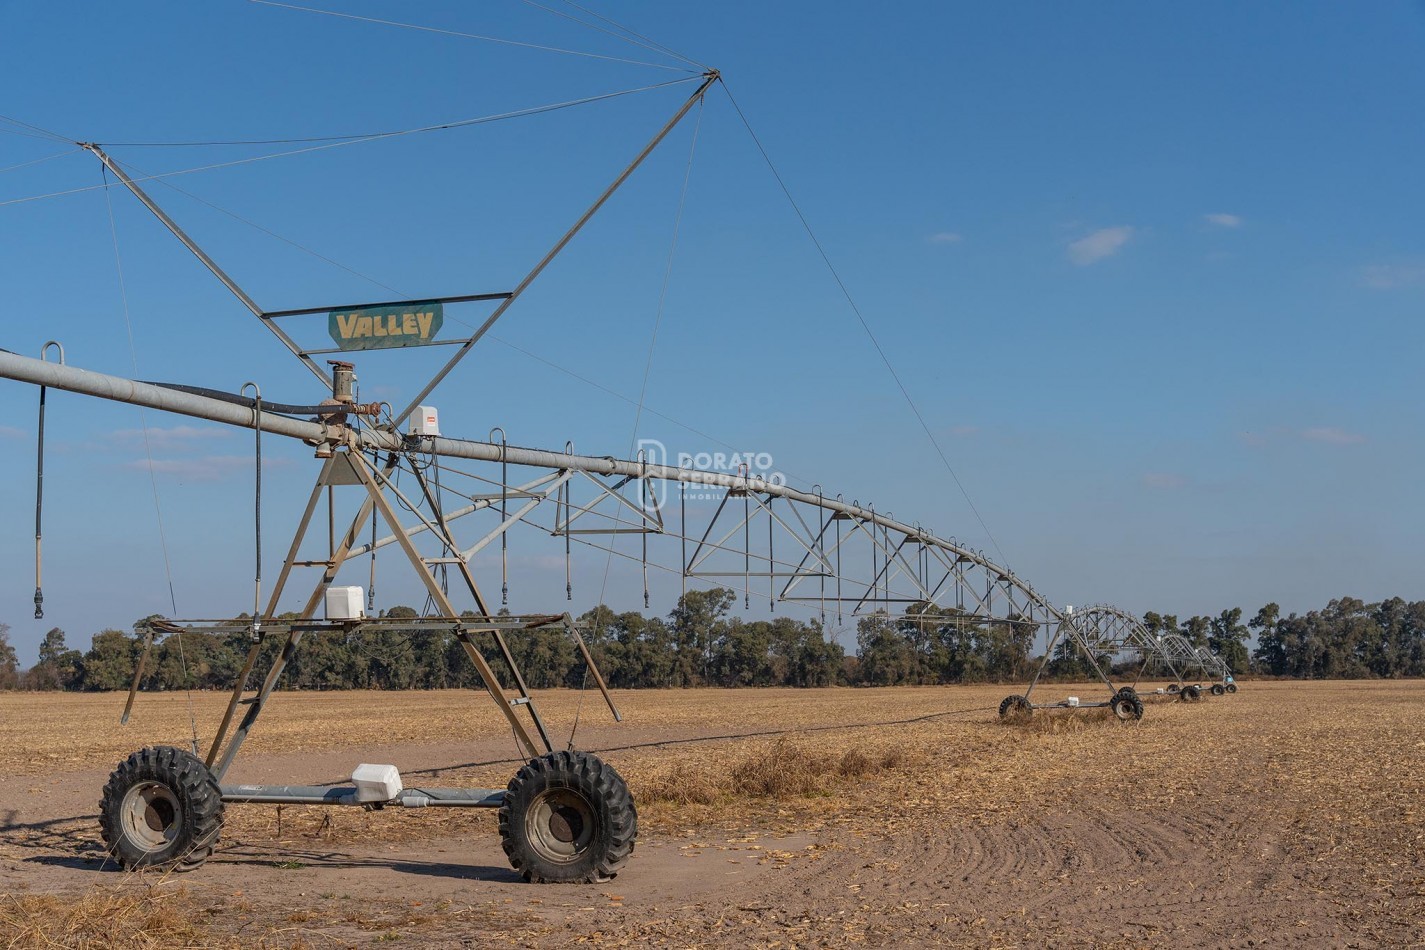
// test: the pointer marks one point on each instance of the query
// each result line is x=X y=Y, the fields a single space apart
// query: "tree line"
x=700 y=643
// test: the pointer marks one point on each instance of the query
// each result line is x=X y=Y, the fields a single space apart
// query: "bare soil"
x=1285 y=815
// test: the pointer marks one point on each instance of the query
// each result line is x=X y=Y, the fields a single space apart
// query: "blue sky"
x=1154 y=273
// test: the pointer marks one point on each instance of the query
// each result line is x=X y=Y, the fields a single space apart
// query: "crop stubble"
x=1288 y=811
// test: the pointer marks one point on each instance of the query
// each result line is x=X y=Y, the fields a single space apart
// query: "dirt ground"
x=1285 y=815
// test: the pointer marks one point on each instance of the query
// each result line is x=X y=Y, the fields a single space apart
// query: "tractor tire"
x=1218 y=689
x=1126 y=691
x=1127 y=708
x=1015 y=709
x=1174 y=688
x=1231 y=687
x=161 y=808
x=568 y=818
x=1192 y=693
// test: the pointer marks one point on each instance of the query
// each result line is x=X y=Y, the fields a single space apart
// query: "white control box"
x=345 y=603
x=376 y=783
x=1073 y=701
x=425 y=421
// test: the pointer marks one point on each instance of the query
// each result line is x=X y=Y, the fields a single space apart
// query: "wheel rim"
x=152 y=816
x=560 y=823
x=1123 y=710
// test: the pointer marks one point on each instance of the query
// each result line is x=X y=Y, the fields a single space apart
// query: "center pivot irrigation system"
x=565 y=815
x=1114 y=640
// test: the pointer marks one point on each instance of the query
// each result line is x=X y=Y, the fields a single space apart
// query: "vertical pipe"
x=746 y=551
x=39 y=513
x=568 y=551
x=771 y=561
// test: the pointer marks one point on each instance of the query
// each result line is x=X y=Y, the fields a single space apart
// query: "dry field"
x=1286 y=815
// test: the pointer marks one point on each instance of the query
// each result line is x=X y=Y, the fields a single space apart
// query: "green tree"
x=1270 y=653
x=9 y=662
x=1227 y=638
x=803 y=656
x=742 y=654
x=109 y=663
x=697 y=622
x=1005 y=647
x=886 y=657
x=58 y=667
x=1196 y=630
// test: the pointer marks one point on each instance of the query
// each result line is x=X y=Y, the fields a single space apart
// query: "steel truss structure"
x=766 y=540
x=1205 y=666
x=1112 y=639
x=1122 y=639
x=566 y=815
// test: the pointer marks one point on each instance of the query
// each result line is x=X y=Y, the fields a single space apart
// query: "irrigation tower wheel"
x=1192 y=693
x=1218 y=689
x=1015 y=709
x=1127 y=707
x=1126 y=691
x=568 y=818
x=1174 y=687
x=161 y=809
x=1231 y=687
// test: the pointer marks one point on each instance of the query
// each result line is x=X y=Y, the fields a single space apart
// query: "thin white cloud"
x=1223 y=220
x=1102 y=243
x=1393 y=276
x=1331 y=435
x=964 y=431
x=945 y=237
x=10 y=432
x=204 y=468
x=1277 y=435
x=1255 y=439
x=1165 y=481
x=171 y=437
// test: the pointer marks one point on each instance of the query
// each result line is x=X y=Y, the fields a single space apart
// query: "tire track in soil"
x=1081 y=870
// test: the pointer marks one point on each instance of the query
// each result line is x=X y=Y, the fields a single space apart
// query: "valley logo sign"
x=374 y=328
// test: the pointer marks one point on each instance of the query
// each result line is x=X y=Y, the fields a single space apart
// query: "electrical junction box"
x=1073 y=700
x=345 y=603
x=425 y=421
x=376 y=783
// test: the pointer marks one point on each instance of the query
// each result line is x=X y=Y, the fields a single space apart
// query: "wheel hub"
x=560 y=824
x=151 y=815
x=566 y=824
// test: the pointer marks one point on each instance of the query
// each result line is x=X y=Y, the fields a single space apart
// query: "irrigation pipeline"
x=37 y=372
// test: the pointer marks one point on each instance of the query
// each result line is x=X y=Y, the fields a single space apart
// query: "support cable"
x=626 y=36
x=652 y=43
x=378 y=283
x=31 y=135
x=148 y=453
x=471 y=36
x=37 y=161
x=519 y=113
x=35 y=131
x=826 y=259
x=642 y=394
